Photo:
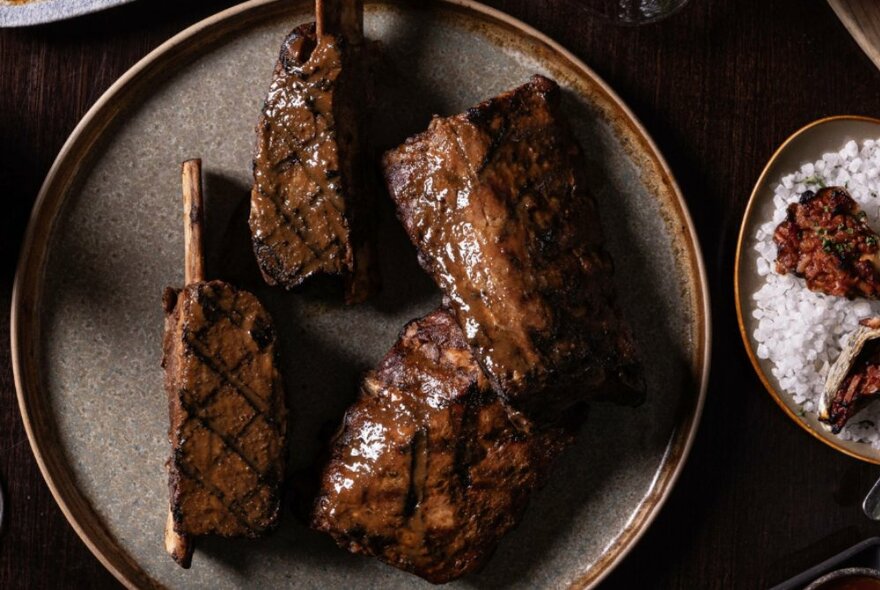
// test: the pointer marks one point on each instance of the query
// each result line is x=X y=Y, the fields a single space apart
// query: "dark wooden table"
x=719 y=86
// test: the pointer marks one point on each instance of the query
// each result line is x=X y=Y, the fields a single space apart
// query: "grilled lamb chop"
x=495 y=202
x=826 y=240
x=311 y=211
x=225 y=400
x=431 y=468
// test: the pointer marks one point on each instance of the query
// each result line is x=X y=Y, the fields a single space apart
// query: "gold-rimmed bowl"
x=808 y=144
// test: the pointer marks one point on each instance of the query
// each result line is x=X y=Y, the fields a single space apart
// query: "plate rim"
x=99 y=117
x=35 y=13
x=738 y=294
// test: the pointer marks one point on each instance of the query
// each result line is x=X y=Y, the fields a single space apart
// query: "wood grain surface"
x=862 y=19
x=719 y=86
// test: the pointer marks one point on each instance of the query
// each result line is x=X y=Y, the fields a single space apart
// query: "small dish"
x=805 y=145
x=838 y=578
x=864 y=555
x=860 y=19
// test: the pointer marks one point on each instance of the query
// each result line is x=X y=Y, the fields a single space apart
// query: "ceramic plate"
x=19 y=13
x=106 y=238
x=862 y=19
x=806 y=145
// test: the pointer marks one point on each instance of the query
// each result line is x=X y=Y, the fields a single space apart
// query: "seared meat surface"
x=227 y=410
x=308 y=204
x=826 y=240
x=431 y=468
x=495 y=201
x=860 y=386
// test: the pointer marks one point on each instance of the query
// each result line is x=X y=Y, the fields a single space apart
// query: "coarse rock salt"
x=799 y=332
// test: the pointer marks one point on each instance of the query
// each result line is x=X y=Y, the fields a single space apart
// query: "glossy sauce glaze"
x=431 y=468
x=495 y=201
x=826 y=240
x=307 y=168
x=228 y=418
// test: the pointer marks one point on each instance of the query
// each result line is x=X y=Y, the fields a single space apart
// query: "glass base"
x=631 y=12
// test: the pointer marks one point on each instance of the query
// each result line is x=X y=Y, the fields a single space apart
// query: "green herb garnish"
x=815 y=180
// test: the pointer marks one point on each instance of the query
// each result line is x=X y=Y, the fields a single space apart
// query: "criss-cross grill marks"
x=431 y=468
x=495 y=201
x=228 y=418
x=307 y=169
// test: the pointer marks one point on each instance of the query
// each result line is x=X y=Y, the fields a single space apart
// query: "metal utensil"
x=871 y=504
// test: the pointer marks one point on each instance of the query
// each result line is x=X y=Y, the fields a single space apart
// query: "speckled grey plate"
x=805 y=145
x=34 y=12
x=106 y=238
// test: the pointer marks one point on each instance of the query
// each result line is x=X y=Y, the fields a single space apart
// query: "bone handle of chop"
x=180 y=547
x=341 y=17
x=193 y=216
